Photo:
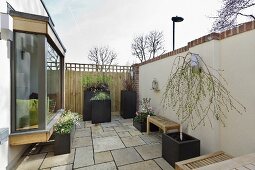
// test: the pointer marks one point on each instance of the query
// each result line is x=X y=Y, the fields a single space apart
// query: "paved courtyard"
x=107 y=146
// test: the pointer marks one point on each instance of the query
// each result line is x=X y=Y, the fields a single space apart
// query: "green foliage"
x=101 y=96
x=197 y=94
x=146 y=110
x=96 y=82
x=66 y=122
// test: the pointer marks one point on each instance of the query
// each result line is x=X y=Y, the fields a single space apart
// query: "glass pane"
x=26 y=72
x=53 y=83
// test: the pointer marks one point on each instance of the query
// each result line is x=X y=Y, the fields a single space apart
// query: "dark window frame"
x=42 y=87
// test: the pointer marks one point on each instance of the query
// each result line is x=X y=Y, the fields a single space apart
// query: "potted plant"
x=92 y=84
x=128 y=99
x=140 y=120
x=64 y=131
x=196 y=92
x=101 y=107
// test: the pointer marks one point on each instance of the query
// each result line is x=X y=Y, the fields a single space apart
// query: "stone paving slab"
x=122 y=128
x=96 y=129
x=101 y=157
x=135 y=132
x=103 y=166
x=110 y=124
x=53 y=161
x=117 y=143
x=79 y=134
x=80 y=125
x=32 y=162
x=89 y=124
x=81 y=142
x=106 y=129
x=83 y=157
x=150 y=151
x=124 y=134
x=126 y=122
x=163 y=164
x=126 y=156
x=132 y=141
x=151 y=139
x=146 y=165
x=107 y=143
x=64 y=167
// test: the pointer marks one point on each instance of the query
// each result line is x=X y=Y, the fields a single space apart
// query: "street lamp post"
x=175 y=19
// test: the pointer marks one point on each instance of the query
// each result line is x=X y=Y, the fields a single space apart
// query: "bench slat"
x=162 y=123
x=201 y=161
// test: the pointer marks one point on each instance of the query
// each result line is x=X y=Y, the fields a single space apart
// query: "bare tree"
x=102 y=55
x=145 y=47
x=139 y=46
x=230 y=12
x=155 y=41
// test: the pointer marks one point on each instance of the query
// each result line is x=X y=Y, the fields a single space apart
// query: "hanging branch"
x=196 y=92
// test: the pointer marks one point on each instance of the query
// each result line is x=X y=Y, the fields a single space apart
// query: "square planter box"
x=142 y=127
x=101 y=111
x=128 y=104
x=174 y=150
x=87 y=105
x=63 y=142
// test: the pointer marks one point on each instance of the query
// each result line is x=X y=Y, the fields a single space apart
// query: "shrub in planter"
x=64 y=130
x=91 y=85
x=128 y=99
x=174 y=149
x=140 y=121
x=101 y=107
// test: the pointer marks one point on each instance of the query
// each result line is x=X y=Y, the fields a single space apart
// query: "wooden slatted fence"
x=73 y=85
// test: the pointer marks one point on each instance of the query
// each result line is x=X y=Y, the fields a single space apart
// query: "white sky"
x=83 y=24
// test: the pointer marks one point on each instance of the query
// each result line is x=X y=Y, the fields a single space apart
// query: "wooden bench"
x=201 y=161
x=162 y=123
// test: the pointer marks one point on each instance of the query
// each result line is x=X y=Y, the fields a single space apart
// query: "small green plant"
x=101 y=96
x=96 y=82
x=146 y=110
x=66 y=122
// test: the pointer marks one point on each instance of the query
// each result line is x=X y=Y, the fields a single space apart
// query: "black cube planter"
x=174 y=150
x=101 y=111
x=87 y=105
x=142 y=126
x=128 y=104
x=63 y=142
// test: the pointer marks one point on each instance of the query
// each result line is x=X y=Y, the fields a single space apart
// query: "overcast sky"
x=83 y=24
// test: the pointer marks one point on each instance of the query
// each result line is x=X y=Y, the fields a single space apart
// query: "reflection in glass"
x=53 y=82
x=26 y=76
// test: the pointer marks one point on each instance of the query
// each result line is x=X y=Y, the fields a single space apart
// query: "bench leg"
x=148 y=126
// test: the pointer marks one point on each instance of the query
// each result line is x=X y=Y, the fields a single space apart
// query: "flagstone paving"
x=107 y=146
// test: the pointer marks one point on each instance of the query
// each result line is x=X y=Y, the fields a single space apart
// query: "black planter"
x=101 y=111
x=63 y=142
x=142 y=126
x=128 y=104
x=174 y=150
x=87 y=105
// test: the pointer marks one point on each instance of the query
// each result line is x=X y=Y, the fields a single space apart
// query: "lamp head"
x=177 y=19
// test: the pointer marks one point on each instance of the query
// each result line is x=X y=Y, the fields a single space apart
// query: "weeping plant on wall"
x=197 y=92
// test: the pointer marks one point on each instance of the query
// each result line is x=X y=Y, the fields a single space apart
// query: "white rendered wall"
x=5 y=89
x=28 y=6
x=236 y=56
x=160 y=70
x=238 y=61
x=9 y=155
